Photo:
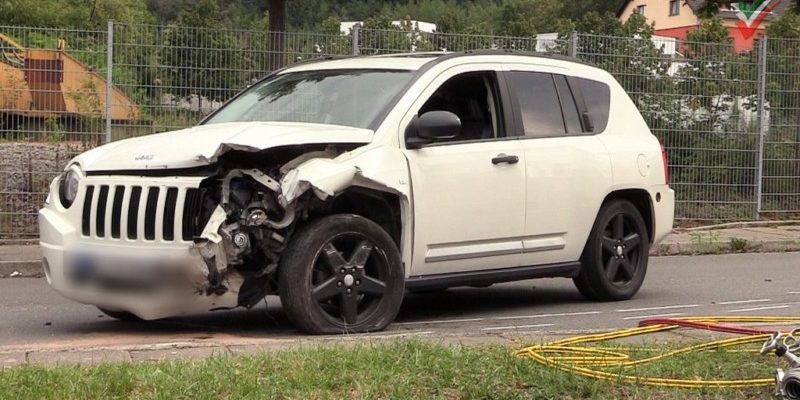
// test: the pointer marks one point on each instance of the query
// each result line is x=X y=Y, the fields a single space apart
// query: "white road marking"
x=659 y=308
x=722 y=303
x=776 y=307
x=547 y=315
x=501 y=328
x=450 y=321
x=441 y=321
x=653 y=316
x=792 y=292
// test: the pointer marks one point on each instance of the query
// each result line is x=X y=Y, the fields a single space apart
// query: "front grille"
x=137 y=212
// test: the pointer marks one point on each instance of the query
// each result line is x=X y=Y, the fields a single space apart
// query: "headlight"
x=68 y=187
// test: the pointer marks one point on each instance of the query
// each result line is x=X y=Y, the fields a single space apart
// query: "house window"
x=640 y=10
x=674 y=7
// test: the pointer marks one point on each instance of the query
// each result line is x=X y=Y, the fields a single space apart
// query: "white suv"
x=341 y=183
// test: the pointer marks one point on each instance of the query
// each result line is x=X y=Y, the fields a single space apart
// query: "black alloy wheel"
x=614 y=262
x=341 y=273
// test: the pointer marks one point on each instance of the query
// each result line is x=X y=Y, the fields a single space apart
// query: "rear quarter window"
x=597 y=96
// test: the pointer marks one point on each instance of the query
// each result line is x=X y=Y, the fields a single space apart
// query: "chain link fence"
x=730 y=121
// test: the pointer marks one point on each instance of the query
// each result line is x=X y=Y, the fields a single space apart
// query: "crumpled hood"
x=202 y=145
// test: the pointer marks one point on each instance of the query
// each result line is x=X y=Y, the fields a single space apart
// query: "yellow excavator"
x=40 y=83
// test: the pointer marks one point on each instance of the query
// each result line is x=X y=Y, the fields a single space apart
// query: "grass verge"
x=396 y=370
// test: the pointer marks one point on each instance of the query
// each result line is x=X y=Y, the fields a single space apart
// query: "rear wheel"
x=614 y=262
x=121 y=315
x=341 y=273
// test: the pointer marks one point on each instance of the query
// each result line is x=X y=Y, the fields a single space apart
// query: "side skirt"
x=488 y=277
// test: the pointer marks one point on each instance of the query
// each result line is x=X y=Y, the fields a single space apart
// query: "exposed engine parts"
x=248 y=222
x=246 y=231
x=787 y=383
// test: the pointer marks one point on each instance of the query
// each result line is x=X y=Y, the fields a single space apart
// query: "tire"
x=341 y=274
x=121 y=315
x=614 y=261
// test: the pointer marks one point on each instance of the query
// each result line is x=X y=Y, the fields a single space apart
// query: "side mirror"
x=432 y=126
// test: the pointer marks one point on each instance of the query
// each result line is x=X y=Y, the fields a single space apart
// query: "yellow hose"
x=566 y=354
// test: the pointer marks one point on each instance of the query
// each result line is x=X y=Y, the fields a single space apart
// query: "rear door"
x=567 y=169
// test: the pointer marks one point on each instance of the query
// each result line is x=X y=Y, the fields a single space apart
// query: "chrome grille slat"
x=177 y=226
x=123 y=223
x=158 y=217
x=93 y=213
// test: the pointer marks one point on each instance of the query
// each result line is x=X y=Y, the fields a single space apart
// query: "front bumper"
x=104 y=255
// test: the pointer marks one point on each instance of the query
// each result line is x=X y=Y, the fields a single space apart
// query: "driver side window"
x=473 y=97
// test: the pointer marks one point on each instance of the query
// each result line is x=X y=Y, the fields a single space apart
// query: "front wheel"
x=614 y=262
x=341 y=273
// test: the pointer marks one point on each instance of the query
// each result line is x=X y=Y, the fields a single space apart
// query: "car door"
x=567 y=169
x=469 y=191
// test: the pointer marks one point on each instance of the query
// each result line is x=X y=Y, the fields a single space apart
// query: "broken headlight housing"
x=68 y=186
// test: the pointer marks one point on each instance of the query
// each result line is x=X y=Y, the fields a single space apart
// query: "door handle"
x=503 y=158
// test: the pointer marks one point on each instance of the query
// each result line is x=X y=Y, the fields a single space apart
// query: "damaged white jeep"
x=341 y=183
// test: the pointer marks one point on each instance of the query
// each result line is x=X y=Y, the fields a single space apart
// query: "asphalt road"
x=33 y=316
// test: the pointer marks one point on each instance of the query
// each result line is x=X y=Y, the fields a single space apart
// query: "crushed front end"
x=158 y=245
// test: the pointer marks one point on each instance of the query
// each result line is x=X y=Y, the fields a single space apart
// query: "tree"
x=277 y=39
x=197 y=52
x=525 y=18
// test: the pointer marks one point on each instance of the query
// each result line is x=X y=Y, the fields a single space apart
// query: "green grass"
x=396 y=370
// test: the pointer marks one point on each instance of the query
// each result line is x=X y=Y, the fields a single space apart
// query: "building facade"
x=676 y=18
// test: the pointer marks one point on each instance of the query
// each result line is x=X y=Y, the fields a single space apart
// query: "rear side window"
x=597 y=96
x=539 y=106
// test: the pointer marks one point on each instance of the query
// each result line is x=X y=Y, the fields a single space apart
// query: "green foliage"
x=527 y=18
x=195 y=42
x=739 y=245
x=705 y=243
x=375 y=369
x=788 y=26
x=82 y=14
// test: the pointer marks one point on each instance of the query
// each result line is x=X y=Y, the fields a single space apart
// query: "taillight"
x=666 y=165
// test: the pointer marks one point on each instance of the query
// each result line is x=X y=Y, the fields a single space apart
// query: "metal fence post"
x=356 y=38
x=761 y=120
x=109 y=78
x=573 y=44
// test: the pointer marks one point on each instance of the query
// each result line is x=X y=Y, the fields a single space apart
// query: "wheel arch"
x=382 y=208
x=640 y=198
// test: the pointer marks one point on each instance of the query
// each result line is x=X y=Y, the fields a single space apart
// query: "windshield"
x=339 y=97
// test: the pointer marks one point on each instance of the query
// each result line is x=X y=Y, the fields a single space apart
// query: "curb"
x=691 y=249
x=27 y=269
